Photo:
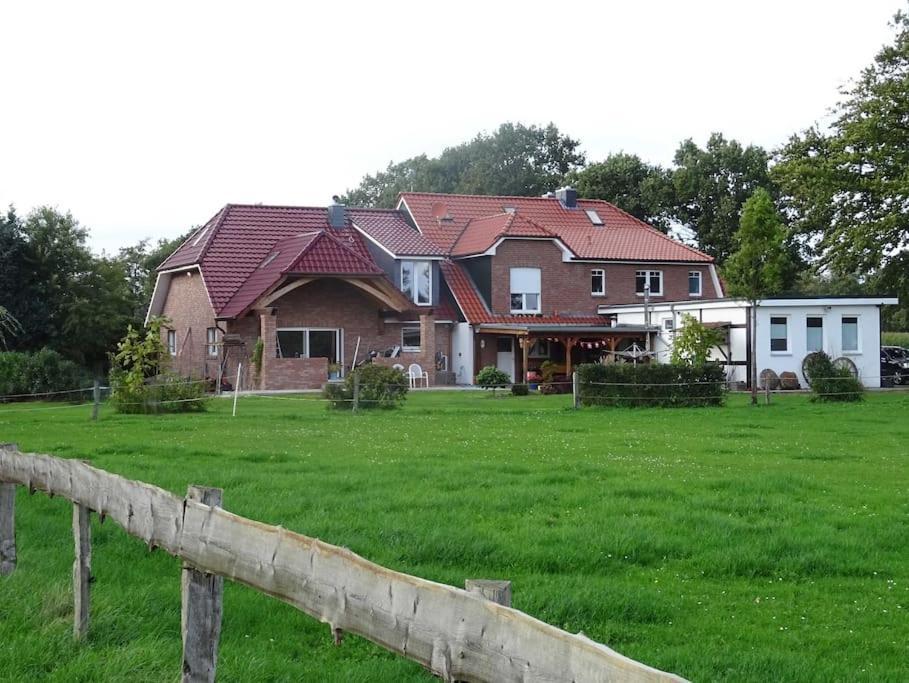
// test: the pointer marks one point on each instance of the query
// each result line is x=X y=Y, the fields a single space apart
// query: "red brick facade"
x=566 y=286
x=190 y=313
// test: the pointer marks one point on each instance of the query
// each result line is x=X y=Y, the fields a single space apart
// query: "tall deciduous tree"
x=847 y=189
x=711 y=186
x=643 y=190
x=758 y=267
x=514 y=160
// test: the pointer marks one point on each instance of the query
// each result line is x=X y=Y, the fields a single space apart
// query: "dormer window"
x=416 y=281
x=593 y=216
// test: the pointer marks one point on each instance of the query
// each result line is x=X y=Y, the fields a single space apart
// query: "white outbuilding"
x=848 y=329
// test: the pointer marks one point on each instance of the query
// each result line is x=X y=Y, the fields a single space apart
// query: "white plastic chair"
x=416 y=375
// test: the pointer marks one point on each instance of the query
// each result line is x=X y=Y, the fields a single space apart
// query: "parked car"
x=897 y=354
x=893 y=374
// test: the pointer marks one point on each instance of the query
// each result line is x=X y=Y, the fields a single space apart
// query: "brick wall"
x=566 y=286
x=190 y=312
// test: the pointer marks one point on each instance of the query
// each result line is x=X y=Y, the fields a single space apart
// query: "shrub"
x=830 y=383
x=693 y=342
x=491 y=377
x=40 y=372
x=663 y=385
x=380 y=387
x=520 y=390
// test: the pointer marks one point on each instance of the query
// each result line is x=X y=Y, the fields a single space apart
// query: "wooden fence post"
x=201 y=595
x=236 y=391
x=96 y=398
x=575 y=389
x=496 y=591
x=82 y=570
x=767 y=393
x=356 y=391
x=7 y=529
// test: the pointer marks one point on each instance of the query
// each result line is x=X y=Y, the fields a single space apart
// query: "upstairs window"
x=694 y=283
x=525 y=290
x=779 y=334
x=814 y=334
x=652 y=277
x=172 y=342
x=211 y=337
x=598 y=282
x=850 y=334
x=416 y=281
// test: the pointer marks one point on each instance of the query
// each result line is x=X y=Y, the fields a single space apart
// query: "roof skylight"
x=593 y=216
x=200 y=236
x=271 y=257
x=508 y=209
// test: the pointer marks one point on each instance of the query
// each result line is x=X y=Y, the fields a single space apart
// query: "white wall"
x=462 y=339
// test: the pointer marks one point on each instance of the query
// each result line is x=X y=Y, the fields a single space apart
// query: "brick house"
x=450 y=282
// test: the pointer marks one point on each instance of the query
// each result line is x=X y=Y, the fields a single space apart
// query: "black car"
x=897 y=354
x=893 y=372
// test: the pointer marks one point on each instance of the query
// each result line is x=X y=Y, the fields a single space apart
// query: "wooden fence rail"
x=456 y=634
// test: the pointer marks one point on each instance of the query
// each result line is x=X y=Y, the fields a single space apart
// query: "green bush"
x=653 y=384
x=167 y=393
x=830 y=383
x=895 y=339
x=491 y=377
x=40 y=372
x=380 y=387
x=520 y=390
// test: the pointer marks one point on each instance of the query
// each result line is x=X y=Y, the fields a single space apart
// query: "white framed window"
x=309 y=342
x=695 y=285
x=598 y=282
x=849 y=329
x=525 y=290
x=172 y=342
x=416 y=281
x=814 y=333
x=779 y=334
x=539 y=349
x=652 y=277
x=211 y=339
x=669 y=324
x=593 y=216
x=410 y=339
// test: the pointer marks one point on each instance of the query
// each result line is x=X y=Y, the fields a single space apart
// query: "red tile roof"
x=238 y=238
x=481 y=233
x=443 y=218
x=476 y=312
x=391 y=229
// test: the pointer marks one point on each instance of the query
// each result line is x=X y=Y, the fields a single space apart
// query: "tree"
x=139 y=263
x=693 y=342
x=846 y=191
x=711 y=186
x=514 y=160
x=758 y=266
x=643 y=190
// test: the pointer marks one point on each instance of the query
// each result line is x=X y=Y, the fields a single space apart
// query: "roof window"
x=271 y=257
x=200 y=236
x=508 y=209
x=593 y=216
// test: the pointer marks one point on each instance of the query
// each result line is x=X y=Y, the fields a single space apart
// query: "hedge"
x=380 y=387
x=40 y=372
x=652 y=384
x=167 y=393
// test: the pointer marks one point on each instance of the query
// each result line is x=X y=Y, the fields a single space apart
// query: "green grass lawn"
x=735 y=543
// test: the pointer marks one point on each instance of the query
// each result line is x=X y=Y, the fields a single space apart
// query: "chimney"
x=568 y=196
x=337 y=213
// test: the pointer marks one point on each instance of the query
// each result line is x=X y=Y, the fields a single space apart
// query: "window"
x=694 y=283
x=211 y=336
x=308 y=343
x=172 y=342
x=849 y=328
x=508 y=209
x=814 y=334
x=593 y=216
x=416 y=281
x=669 y=324
x=598 y=282
x=410 y=339
x=539 y=349
x=525 y=290
x=652 y=277
x=779 y=334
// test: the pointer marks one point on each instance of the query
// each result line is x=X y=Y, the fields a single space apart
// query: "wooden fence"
x=457 y=634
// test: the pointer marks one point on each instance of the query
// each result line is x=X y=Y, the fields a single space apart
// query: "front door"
x=505 y=356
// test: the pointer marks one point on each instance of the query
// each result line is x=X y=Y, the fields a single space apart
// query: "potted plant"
x=334 y=371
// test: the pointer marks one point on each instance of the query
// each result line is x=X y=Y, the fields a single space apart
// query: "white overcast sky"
x=143 y=119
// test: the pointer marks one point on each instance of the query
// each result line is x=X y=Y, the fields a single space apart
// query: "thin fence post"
x=575 y=386
x=356 y=391
x=7 y=522
x=82 y=570
x=767 y=393
x=201 y=598
x=237 y=388
x=494 y=591
x=96 y=398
